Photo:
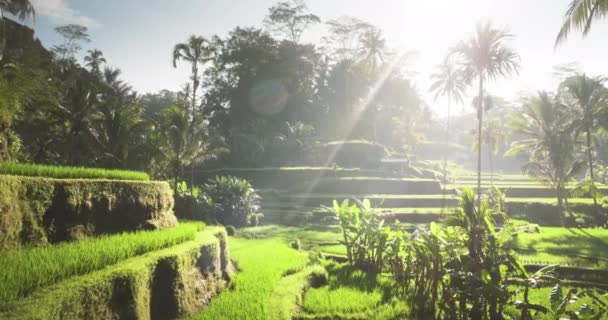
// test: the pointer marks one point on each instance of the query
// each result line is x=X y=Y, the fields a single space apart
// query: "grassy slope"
x=566 y=246
x=262 y=264
x=76 y=297
x=580 y=247
x=60 y=172
x=24 y=270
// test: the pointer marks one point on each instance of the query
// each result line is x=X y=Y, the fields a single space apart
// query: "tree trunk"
x=491 y=162
x=4 y=142
x=194 y=87
x=476 y=311
x=560 y=205
x=590 y=158
x=590 y=154
x=445 y=154
x=479 y=128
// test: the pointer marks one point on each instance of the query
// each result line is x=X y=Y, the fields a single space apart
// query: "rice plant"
x=24 y=270
x=61 y=172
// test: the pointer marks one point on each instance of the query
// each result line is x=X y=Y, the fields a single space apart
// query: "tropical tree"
x=182 y=145
x=344 y=34
x=493 y=136
x=22 y=9
x=197 y=51
x=580 y=15
x=550 y=144
x=448 y=82
x=94 y=60
x=372 y=48
x=587 y=99
x=290 y=19
x=73 y=37
x=485 y=57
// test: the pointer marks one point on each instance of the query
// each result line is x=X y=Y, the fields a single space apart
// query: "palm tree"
x=587 y=99
x=197 y=51
x=94 y=61
x=550 y=144
x=22 y=9
x=183 y=144
x=484 y=57
x=493 y=135
x=580 y=15
x=448 y=82
x=373 y=48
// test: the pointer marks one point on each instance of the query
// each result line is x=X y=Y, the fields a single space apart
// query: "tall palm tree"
x=448 y=82
x=493 y=135
x=580 y=15
x=485 y=57
x=197 y=51
x=179 y=147
x=94 y=60
x=22 y=9
x=373 y=49
x=550 y=144
x=587 y=99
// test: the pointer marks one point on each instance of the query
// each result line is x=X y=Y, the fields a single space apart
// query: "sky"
x=138 y=36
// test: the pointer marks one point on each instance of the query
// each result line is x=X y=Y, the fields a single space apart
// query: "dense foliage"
x=230 y=201
x=458 y=270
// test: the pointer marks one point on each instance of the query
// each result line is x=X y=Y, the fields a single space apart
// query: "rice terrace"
x=303 y=160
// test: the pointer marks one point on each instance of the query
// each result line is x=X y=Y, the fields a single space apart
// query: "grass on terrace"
x=61 y=172
x=553 y=245
x=23 y=270
x=262 y=264
x=565 y=246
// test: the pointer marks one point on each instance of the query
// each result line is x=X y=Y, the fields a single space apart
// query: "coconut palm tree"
x=197 y=51
x=550 y=144
x=22 y=9
x=485 y=57
x=183 y=144
x=493 y=135
x=372 y=48
x=587 y=100
x=580 y=16
x=94 y=61
x=448 y=82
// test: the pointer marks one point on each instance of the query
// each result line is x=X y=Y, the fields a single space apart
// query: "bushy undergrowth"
x=352 y=153
x=22 y=271
x=464 y=263
x=63 y=172
x=231 y=201
x=261 y=264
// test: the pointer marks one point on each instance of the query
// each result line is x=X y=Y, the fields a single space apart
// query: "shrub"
x=296 y=244
x=353 y=153
x=187 y=202
x=61 y=172
x=230 y=230
x=231 y=201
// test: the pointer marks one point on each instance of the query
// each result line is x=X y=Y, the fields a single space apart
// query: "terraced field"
x=147 y=274
x=411 y=200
